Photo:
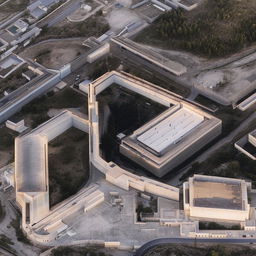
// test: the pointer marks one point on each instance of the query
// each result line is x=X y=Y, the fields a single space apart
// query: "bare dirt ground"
x=55 y=53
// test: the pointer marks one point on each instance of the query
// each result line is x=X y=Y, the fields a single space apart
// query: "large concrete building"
x=171 y=138
x=31 y=165
x=216 y=198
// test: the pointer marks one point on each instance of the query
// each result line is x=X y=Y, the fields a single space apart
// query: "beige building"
x=216 y=198
x=171 y=138
x=31 y=165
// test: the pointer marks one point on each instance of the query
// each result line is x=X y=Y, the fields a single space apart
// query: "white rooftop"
x=170 y=130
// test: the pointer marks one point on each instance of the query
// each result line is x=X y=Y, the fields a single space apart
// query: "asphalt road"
x=161 y=241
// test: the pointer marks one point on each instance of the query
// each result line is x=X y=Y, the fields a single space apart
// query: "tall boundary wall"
x=114 y=173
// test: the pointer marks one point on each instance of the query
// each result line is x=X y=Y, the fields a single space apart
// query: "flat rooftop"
x=170 y=130
x=31 y=164
x=217 y=194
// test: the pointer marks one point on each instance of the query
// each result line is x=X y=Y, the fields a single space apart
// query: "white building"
x=17 y=127
x=216 y=199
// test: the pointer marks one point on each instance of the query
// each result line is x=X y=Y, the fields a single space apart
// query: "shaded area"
x=13 y=81
x=7 y=137
x=250 y=148
x=217 y=226
x=37 y=109
x=68 y=164
x=226 y=162
x=122 y=111
x=78 y=251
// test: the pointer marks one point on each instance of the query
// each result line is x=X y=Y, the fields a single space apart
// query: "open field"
x=68 y=164
x=55 y=54
x=215 y=28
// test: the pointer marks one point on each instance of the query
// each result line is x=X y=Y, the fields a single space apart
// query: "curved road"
x=161 y=241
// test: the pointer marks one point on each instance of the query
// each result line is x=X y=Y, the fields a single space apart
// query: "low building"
x=248 y=102
x=18 y=27
x=247 y=145
x=29 y=75
x=213 y=198
x=39 y=8
x=3 y=45
x=84 y=86
x=17 y=127
x=9 y=64
x=29 y=35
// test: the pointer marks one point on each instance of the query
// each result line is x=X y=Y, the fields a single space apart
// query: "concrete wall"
x=114 y=173
x=218 y=214
x=39 y=201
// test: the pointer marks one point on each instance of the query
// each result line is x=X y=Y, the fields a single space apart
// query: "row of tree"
x=202 y=35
